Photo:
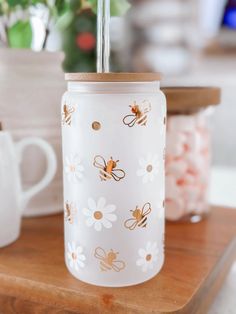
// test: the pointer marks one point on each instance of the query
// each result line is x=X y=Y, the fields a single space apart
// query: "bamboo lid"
x=113 y=77
x=191 y=99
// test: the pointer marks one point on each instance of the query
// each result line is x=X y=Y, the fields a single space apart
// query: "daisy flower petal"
x=106 y=223
x=147 y=256
x=142 y=162
x=75 y=256
x=141 y=172
x=99 y=214
x=87 y=212
x=92 y=204
x=109 y=209
x=142 y=252
x=101 y=202
x=90 y=221
x=149 y=168
x=73 y=168
x=98 y=226
x=140 y=262
x=111 y=217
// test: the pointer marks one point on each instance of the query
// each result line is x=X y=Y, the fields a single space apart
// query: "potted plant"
x=31 y=83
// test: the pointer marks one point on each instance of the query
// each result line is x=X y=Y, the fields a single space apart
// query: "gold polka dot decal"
x=96 y=125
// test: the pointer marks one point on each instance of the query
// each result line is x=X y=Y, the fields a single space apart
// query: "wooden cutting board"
x=34 y=279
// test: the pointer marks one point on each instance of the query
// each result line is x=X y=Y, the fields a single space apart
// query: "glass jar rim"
x=113 y=77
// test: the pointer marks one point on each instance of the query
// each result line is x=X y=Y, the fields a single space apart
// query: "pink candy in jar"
x=188 y=152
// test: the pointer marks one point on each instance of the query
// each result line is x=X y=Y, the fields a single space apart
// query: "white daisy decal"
x=75 y=257
x=149 y=168
x=99 y=214
x=73 y=168
x=147 y=256
x=161 y=204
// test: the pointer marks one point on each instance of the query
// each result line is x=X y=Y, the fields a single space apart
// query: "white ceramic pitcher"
x=12 y=197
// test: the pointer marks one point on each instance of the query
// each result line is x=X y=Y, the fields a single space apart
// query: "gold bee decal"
x=108 y=261
x=108 y=170
x=139 y=217
x=70 y=212
x=139 y=114
x=67 y=114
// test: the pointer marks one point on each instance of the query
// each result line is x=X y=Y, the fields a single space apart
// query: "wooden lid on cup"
x=113 y=77
x=191 y=99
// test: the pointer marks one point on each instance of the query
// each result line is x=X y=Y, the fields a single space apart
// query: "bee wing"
x=120 y=174
x=74 y=211
x=99 y=162
x=146 y=106
x=131 y=223
x=146 y=209
x=130 y=120
x=66 y=208
x=72 y=109
x=118 y=265
x=70 y=219
x=99 y=253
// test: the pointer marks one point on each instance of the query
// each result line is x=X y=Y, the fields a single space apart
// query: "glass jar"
x=113 y=128
x=188 y=152
x=157 y=36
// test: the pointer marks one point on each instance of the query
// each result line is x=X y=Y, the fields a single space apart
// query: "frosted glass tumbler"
x=113 y=129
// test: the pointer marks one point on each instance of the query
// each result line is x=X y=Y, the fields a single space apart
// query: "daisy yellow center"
x=96 y=125
x=148 y=257
x=74 y=256
x=149 y=168
x=72 y=168
x=98 y=215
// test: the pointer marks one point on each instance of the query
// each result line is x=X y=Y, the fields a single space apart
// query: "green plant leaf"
x=20 y=3
x=118 y=7
x=64 y=20
x=20 y=35
x=75 y=5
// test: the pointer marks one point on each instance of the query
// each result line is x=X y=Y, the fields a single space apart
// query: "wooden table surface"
x=34 y=279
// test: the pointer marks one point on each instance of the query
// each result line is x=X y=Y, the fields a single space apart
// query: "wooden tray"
x=34 y=279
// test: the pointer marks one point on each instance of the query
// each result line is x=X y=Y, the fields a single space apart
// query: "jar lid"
x=113 y=77
x=191 y=99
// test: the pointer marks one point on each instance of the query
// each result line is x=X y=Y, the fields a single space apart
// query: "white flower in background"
x=73 y=168
x=147 y=256
x=75 y=257
x=149 y=168
x=99 y=214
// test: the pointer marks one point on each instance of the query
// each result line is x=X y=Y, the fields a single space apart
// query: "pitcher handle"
x=51 y=166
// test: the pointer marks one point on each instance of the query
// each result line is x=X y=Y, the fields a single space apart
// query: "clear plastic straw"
x=103 y=36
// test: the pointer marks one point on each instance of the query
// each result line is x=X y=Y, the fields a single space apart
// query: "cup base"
x=9 y=240
x=120 y=284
